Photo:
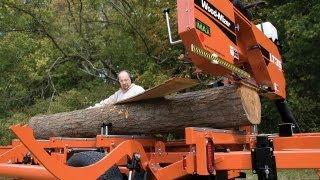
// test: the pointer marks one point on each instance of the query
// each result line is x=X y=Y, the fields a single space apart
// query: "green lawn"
x=290 y=175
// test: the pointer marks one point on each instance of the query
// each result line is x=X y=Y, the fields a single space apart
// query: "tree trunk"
x=222 y=107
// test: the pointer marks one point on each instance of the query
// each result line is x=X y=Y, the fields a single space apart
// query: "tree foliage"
x=298 y=24
x=61 y=55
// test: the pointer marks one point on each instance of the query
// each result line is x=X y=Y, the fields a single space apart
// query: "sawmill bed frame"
x=204 y=151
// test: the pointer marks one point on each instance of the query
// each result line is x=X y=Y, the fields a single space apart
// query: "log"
x=223 y=107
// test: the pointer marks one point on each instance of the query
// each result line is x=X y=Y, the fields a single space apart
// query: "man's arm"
x=139 y=90
x=134 y=91
x=110 y=100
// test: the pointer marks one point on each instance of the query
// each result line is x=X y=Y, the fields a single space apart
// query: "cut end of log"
x=251 y=103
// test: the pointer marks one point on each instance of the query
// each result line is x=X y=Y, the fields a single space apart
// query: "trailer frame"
x=204 y=151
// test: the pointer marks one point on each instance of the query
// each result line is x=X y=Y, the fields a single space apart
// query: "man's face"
x=124 y=80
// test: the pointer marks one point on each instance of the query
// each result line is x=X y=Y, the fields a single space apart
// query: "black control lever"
x=286 y=114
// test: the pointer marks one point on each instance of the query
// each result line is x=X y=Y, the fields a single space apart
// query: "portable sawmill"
x=220 y=40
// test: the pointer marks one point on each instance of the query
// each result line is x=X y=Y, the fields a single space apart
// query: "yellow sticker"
x=215 y=59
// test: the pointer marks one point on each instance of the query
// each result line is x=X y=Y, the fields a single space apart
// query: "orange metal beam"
x=166 y=157
x=301 y=159
x=175 y=170
x=300 y=141
x=172 y=171
x=64 y=172
x=16 y=153
x=98 y=142
x=233 y=160
x=4 y=149
x=25 y=171
x=217 y=135
x=199 y=136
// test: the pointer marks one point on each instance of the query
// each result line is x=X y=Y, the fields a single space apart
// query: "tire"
x=87 y=158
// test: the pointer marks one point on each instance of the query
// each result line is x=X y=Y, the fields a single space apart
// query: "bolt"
x=137 y=155
x=237 y=27
x=267 y=171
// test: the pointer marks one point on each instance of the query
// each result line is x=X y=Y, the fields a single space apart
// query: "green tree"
x=298 y=24
x=54 y=54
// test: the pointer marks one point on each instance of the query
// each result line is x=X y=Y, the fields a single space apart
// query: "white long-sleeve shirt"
x=120 y=95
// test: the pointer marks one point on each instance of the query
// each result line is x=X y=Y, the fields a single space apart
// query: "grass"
x=290 y=175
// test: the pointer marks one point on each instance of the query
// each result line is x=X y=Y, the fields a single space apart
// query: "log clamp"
x=263 y=159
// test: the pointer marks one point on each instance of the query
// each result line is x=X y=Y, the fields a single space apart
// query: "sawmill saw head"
x=221 y=41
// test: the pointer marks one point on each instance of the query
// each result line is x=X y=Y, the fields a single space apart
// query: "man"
x=127 y=90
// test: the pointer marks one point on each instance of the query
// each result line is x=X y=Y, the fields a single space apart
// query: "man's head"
x=124 y=80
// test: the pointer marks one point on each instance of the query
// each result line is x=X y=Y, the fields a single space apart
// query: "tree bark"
x=223 y=107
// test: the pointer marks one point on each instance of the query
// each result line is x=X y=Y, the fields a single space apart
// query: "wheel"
x=87 y=158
